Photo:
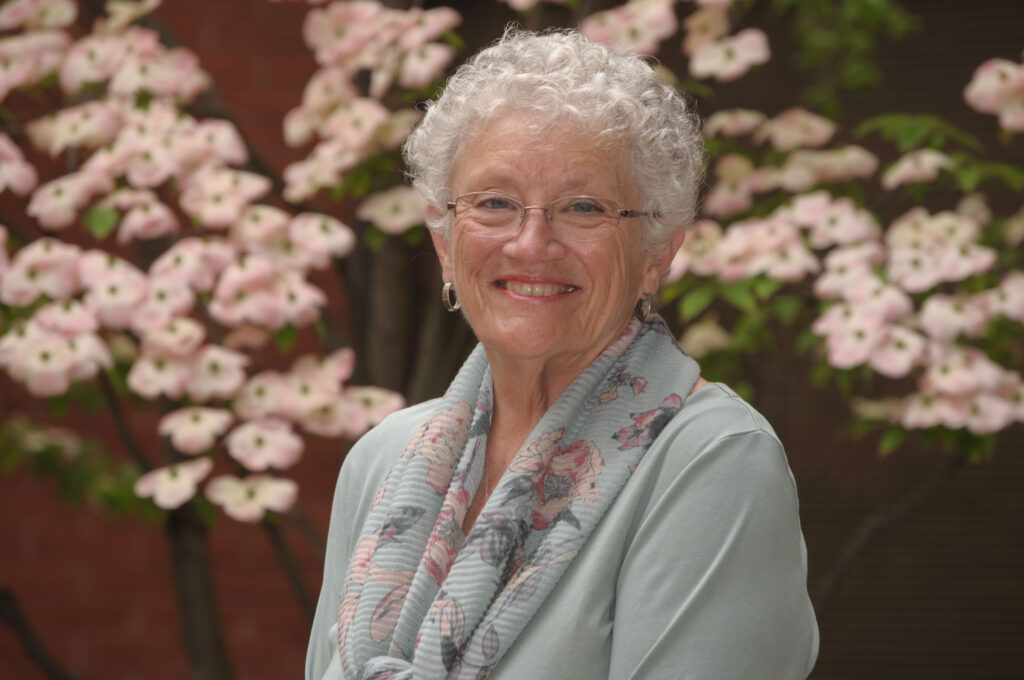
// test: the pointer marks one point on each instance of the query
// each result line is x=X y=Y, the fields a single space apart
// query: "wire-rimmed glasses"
x=575 y=218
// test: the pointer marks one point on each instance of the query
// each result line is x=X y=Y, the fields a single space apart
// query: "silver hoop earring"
x=447 y=297
x=643 y=308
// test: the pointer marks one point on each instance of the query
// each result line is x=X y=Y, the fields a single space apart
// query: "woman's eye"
x=497 y=204
x=584 y=206
x=494 y=203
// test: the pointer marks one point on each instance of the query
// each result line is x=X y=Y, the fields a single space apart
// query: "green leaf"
x=285 y=338
x=765 y=287
x=101 y=222
x=891 y=440
x=454 y=39
x=374 y=238
x=414 y=237
x=59 y=404
x=738 y=294
x=787 y=307
x=912 y=131
x=968 y=179
x=320 y=327
x=696 y=301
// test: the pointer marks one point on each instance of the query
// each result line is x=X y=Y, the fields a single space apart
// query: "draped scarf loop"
x=423 y=600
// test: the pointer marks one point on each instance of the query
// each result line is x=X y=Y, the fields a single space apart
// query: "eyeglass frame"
x=619 y=212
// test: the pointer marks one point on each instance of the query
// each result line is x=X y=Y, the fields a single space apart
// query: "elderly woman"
x=580 y=503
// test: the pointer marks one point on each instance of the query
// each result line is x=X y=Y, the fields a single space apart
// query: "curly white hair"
x=566 y=78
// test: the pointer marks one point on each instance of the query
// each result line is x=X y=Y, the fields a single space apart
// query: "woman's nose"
x=535 y=237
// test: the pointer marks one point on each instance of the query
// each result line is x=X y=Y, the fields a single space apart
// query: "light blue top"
x=698 y=570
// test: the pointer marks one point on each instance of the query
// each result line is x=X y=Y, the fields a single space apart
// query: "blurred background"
x=916 y=558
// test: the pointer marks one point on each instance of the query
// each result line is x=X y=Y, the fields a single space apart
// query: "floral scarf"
x=423 y=600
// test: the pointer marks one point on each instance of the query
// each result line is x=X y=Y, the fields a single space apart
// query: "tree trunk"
x=190 y=558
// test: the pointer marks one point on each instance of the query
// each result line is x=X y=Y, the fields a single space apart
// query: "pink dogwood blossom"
x=265 y=443
x=165 y=299
x=195 y=429
x=898 y=353
x=45 y=266
x=218 y=373
x=261 y=396
x=172 y=486
x=67 y=318
x=394 y=210
x=733 y=122
x=944 y=317
x=16 y=173
x=995 y=83
x=704 y=26
x=425 y=64
x=115 y=295
x=921 y=165
x=697 y=254
x=56 y=204
x=152 y=377
x=28 y=58
x=249 y=498
x=730 y=58
x=319 y=238
x=638 y=26
x=988 y=413
x=179 y=339
x=796 y=128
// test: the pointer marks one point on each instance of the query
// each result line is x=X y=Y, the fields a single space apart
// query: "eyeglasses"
x=574 y=218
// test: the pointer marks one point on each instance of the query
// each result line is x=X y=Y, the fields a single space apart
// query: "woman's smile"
x=534 y=288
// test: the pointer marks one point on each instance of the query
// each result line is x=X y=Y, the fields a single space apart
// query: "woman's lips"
x=534 y=289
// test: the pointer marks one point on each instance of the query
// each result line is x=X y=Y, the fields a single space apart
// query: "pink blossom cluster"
x=873 y=321
x=39 y=49
x=775 y=246
x=962 y=388
x=712 y=51
x=638 y=26
x=793 y=130
x=313 y=395
x=130 y=61
x=920 y=165
x=16 y=174
x=997 y=87
x=731 y=57
x=348 y=38
x=37 y=14
x=56 y=347
x=925 y=250
x=145 y=168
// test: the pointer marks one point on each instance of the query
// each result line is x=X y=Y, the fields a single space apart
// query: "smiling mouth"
x=534 y=289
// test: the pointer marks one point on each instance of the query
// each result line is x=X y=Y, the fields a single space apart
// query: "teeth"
x=535 y=289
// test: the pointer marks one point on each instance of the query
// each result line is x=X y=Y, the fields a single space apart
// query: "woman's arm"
x=713 y=585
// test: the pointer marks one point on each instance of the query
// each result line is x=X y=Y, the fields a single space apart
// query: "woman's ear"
x=435 y=215
x=660 y=262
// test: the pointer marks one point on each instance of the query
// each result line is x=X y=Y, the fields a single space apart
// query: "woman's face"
x=532 y=296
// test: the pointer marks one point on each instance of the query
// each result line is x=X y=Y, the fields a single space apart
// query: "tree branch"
x=14 y=616
x=121 y=423
x=876 y=522
x=291 y=570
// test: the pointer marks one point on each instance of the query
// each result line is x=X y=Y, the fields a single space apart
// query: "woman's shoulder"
x=716 y=426
x=373 y=455
x=717 y=411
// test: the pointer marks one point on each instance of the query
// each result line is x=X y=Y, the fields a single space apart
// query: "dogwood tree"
x=145 y=255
